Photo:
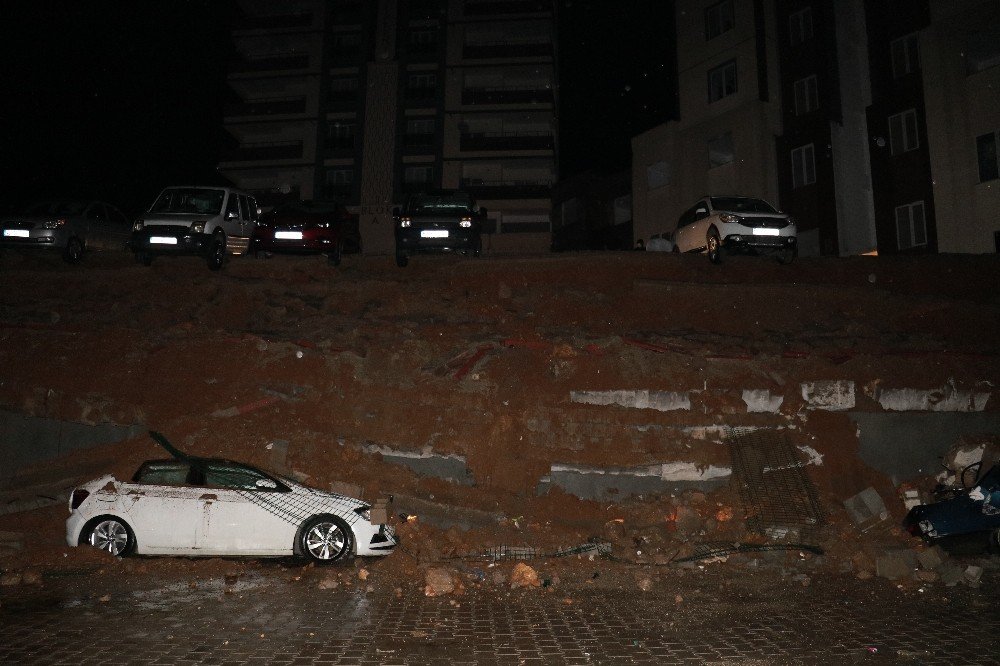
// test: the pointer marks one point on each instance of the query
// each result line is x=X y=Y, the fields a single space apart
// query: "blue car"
x=976 y=510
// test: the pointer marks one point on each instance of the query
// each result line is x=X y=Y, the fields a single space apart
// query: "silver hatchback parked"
x=734 y=224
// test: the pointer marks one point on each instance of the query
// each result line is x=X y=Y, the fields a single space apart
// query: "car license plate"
x=16 y=233
x=434 y=233
x=288 y=235
x=764 y=231
x=163 y=240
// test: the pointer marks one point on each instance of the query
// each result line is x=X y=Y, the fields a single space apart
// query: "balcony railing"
x=507 y=189
x=423 y=93
x=507 y=141
x=275 y=150
x=506 y=7
x=416 y=186
x=346 y=13
x=341 y=190
x=267 y=107
x=418 y=141
x=273 y=62
x=507 y=50
x=276 y=22
x=499 y=95
x=343 y=100
x=339 y=146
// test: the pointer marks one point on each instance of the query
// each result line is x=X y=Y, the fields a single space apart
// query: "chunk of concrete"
x=829 y=395
x=761 y=401
x=895 y=564
x=346 y=489
x=932 y=558
x=866 y=508
x=951 y=574
x=947 y=398
x=973 y=575
x=662 y=401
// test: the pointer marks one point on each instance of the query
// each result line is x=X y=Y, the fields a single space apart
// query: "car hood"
x=36 y=219
x=293 y=220
x=175 y=218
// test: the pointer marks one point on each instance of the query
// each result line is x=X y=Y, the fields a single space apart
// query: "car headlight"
x=729 y=218
x=53 y=224
x=138 y=225
x=405 y=222
x=365 y=512
x=197 y=227
x=465 y=223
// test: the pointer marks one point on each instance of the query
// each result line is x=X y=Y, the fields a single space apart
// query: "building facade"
x=368 y=101
x=729 y=113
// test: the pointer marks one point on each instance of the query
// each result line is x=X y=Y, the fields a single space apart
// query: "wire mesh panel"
x=779 y=499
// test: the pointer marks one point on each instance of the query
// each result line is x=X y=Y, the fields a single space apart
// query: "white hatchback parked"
x=716 y=225
x=199 y=506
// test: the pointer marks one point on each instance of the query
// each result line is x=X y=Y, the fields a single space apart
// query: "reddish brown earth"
x=478 y=358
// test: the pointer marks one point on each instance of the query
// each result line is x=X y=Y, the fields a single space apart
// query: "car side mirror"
x=266 y=484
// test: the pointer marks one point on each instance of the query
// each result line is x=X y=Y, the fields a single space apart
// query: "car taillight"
x=77 y=499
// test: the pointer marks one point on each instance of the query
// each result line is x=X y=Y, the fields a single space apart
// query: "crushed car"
x=976 y=510
x=195 y=506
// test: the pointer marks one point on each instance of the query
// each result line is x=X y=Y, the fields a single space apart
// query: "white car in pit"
x=199 y=506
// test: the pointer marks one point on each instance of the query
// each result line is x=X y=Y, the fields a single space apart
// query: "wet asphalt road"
x=714 y=616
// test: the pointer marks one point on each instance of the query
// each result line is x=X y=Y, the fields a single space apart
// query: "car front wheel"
x=335 y=257
x=217 y=254
x=74 y=251
x=402 y=260
x=714 y=245
x=110 y=534
x=786 y=256
x=326 y=539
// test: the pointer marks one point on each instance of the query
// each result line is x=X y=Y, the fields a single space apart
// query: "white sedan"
x=199 y=506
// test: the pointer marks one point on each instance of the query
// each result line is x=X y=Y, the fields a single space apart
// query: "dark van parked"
x=439 y=221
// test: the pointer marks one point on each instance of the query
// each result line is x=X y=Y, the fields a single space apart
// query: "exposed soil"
x=478 y=358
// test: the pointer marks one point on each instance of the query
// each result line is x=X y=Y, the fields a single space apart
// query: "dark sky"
x=116 y=99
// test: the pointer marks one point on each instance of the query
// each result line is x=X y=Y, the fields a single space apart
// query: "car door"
x=164 y=510
x=246 y=512
x=232 y=224
x=698 y=229
x=119 y=229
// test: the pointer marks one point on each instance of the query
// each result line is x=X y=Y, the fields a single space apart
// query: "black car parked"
x=439 y=221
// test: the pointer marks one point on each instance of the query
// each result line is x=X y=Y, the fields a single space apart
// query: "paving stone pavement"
x=266 y=619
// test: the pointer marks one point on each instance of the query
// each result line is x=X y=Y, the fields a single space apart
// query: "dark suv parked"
x=439 y=221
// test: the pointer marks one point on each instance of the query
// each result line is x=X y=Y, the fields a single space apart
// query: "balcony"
x=415 y=143
x=338 y=190
x=416 y=186
x=507 y=50
x=271 y=63
x=426 y=94
x=275 y=22
x=339 y=146
x=506 y=189
x=418 y=10
x=343 y=100
x=506 y=7
x=506 y=95
x=275 y=150
x=267 y=107
x=507 y=141
x=346 y=13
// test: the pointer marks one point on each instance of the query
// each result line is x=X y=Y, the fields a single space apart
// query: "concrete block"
x=662 y=401
x=973 y=575
x=277 y=455
x=829 y=395
x=866 y=508
x=380 y=512
x=948 y=398
x=932 y=558
x=761 y=401
x=896 y=564
x=951 y=574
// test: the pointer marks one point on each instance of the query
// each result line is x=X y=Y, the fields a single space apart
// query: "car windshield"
x=742 y=205
x=56 y=208
x=299 y=207
x=444 y=203
x=196 y=200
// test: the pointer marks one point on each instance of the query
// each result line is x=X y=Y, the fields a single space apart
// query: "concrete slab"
x=761 y=401
x=662 y=401
x=609 y=484
x=427 y=463
x=829 y=395
x=947 y=398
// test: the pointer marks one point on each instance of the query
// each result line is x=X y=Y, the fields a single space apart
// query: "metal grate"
x=780 y=501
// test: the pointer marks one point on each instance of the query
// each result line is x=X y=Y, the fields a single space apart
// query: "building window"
x=657 y=175
x=806 y=95
x=800 y=26
x=905 y=55
x=339 y=183
x=722 y=81
x=340 y=135
x=911 y=228
x=719 y=18
x=986 y=149
x=418 y=176
x=903 y=136
x=803 y=166
x=720 y=150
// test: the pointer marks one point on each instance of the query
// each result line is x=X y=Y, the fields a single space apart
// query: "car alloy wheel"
x=74 y=251
x=714 y=246
x=218 y=253
x=111 y=535
x=326 y=539
x=786 y=255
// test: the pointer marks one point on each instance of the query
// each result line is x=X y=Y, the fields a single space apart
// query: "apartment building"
x=371 y=100
x=729 y=113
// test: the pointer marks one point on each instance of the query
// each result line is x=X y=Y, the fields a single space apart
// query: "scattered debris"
x=524 y=576
x=866 y=509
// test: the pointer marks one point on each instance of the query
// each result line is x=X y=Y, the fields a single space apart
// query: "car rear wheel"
x=110 y=534
x=326 y=539
x=74 y=250
x=217 y=253
x=335 y=257
x=714 y=246
x=786 y=256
